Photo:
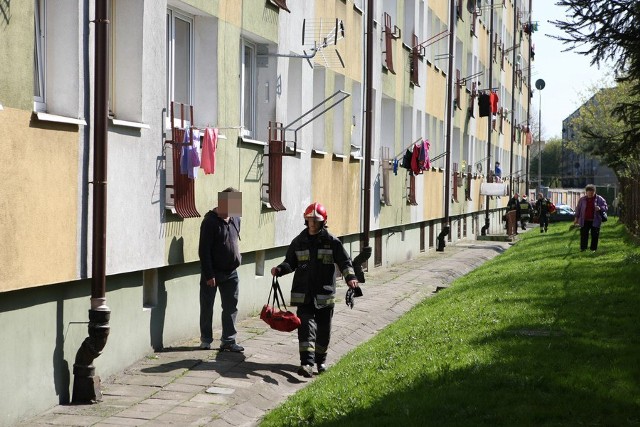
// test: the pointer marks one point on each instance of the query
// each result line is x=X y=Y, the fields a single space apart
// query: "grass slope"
x=542 y=335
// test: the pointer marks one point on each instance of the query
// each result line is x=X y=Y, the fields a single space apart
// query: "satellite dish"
x=540 y=84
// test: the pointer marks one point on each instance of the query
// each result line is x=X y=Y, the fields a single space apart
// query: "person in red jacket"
x=589 y=217
x=313 y=255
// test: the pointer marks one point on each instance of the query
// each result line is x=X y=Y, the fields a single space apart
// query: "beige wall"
x=39 y=206
x=16 y=88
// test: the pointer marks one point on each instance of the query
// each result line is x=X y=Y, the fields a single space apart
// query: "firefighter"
x=525 y=211
x=313 y=256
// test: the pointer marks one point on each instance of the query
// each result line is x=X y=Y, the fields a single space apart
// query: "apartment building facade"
x=283 y=86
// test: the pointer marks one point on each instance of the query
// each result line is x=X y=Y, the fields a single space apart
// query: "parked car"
x=562 y=213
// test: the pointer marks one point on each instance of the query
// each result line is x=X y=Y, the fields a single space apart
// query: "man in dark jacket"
x=219 y=258
x=313 y=255
x=543 y=212
x=513 y=214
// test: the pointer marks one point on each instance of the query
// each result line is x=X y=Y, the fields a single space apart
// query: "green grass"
x=541 y=335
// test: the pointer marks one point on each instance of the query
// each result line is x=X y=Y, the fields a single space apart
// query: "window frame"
x=172 y=15
x=39 y=56
x=250 y=130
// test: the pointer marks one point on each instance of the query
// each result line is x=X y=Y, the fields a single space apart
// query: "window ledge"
x=319 y=152
x=339 y=156
x=128 y=124
x=246 y=140
x=354 y=157
x=45 y=117
x=297 y=150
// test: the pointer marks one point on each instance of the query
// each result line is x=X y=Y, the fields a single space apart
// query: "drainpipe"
x=447 y=167
x=513 y=97
x=484 y=229
x=86 y=385
x=368 y=130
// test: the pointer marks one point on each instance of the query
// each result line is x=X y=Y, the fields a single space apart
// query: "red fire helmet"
x=315 y=211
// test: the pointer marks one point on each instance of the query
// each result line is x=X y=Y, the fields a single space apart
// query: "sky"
x=567 y=75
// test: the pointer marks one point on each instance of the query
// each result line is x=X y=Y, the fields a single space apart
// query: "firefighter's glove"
x=351 y=294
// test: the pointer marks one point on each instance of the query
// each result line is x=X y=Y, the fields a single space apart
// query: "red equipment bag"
x=280 y=320
x=552 y=207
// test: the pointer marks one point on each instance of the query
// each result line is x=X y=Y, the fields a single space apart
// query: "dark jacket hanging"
x=484 y=105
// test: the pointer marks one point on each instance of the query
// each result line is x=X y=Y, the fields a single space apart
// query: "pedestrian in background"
x=313 y=255
x=219 y=258
x=542 y=211
x=525 y=211
x=513 y=214
x=589 y=217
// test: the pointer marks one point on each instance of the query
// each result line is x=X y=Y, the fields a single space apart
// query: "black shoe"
x=321 y=368
x=305 y=371
x=235 y=348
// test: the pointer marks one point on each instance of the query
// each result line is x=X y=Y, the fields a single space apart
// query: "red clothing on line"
x=493 y=100
x=208 y=162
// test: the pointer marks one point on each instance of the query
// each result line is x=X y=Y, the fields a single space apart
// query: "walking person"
x=219 y=258
x=513 y=214
x=543 y=206
x=589 y=217
x=313 y=256
x=525 y=211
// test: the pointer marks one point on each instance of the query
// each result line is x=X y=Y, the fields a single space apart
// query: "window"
x=248 y=88
x=39 y=56
x=126 y=77
x=57 y=63
x=179 y=57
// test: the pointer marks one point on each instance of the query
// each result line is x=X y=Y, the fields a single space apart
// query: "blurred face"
x=314 y=226
x=229 y=204
x=590 y=193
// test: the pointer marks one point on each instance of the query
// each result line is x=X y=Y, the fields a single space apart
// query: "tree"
x=609 y=30
x=600 y=132
x=551 y=162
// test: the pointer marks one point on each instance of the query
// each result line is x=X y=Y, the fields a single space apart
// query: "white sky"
x=567 y=75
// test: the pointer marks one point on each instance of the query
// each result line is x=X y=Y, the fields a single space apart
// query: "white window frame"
x=248 y=123
x=172 y=16
x=39 y=56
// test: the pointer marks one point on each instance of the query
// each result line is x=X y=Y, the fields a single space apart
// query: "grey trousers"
x=229 y=290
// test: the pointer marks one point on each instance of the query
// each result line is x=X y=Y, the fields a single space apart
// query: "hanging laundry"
x=415 y=160
x=395 y=166
x=484 y=105
x=406 y=159
x=189 y=157
x=194 y=155
x=493 y=100
x=427 y=161
x=209 y=147
x=421 y=156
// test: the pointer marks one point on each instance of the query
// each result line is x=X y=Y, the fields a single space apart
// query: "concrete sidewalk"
x=188 y=386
